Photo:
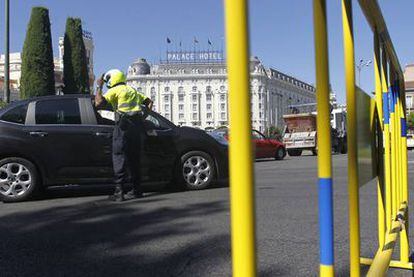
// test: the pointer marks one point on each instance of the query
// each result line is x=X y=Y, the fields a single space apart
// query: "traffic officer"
x=126 y=141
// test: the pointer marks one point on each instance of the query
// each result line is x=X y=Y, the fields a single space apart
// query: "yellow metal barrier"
x=392 y=174
x=241 y=163
x=324 y=140
x=392 y=143
x=353 y=185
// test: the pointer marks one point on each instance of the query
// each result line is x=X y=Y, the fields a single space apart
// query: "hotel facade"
x=191 y=89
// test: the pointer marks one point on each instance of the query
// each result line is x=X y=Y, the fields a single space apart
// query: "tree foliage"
x=38 y=77
x=410 y=121
x=274 y=132
x=2 y=104
x=75 y=66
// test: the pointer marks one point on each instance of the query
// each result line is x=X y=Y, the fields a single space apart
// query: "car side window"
x=257 y=135
x=62 y=111
x=151 y=122
x=16 y=115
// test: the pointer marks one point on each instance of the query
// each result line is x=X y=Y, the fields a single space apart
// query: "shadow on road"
x=104 y=239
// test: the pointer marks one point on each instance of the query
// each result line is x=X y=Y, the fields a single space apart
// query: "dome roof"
x=140 y=67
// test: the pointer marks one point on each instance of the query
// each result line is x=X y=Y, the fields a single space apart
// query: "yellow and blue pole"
x=405 y=246
x=381 y=165
x=242 y=204
x=324 y=140
x=387 y=142
x=353 y=185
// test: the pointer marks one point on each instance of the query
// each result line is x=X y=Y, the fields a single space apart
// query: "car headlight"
x=219 y=138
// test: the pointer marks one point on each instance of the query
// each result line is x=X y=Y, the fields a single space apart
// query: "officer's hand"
x=100 y=82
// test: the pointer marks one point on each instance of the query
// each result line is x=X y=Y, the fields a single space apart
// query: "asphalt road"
x=80 y=233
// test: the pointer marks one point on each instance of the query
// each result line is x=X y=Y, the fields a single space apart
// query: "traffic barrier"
x=391 y=145
x=386 y=151
x=240 y=147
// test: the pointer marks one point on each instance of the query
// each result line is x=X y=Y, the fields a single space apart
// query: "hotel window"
x=181 y=116
x=152 y=90
x=167 y=89
x=208 y=88
x=167 y=115
x=260 y=105
x=194 y=97
x=139 y=89
x=166 y=107
x=208 y=97
x=223 y=115
x=222 y=106
x=194 y=88
x=194 y=107
x=209 y=115
x=194 y=116
x=260 y=115
x=180 y=89
x=181 y=107
x=222 y=97
x=208 y=107
x=260 y=96
x=180 y=98
x=222 y=88
x=153 y=96
x=166 y=98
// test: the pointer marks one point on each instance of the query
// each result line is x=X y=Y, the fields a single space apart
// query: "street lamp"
x=362 y=64
x=6 y=52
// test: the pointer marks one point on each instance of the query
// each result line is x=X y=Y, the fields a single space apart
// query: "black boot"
x=134 y=194
x=118 y=195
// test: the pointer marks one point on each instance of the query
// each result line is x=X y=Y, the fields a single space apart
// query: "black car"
x=60 y=140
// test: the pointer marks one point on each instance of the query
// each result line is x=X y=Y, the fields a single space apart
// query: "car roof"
x=48 y=97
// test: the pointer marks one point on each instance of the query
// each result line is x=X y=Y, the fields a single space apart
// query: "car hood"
x=192 y=131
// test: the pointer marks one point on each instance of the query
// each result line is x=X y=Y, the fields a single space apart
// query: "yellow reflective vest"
x=124 y=98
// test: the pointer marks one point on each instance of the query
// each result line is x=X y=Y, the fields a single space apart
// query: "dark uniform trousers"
x=126 y=151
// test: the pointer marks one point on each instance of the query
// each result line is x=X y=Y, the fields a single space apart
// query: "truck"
x=300 y=132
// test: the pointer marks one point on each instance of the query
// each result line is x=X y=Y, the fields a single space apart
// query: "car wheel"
x=18 y=180
x=280 y=153
x=197 y=170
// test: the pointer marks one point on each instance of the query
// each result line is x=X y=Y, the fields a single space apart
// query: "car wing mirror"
x=152 y=133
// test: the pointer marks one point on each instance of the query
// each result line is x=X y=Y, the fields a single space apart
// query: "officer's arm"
x=99 y=99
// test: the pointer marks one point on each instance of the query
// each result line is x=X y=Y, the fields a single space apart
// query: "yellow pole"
x=382 y=259
x=381 y=173
x=324 y=140
x=393 y=146
x=240 y=147
x=405 y=246
x=387 y=142
x=353 y=187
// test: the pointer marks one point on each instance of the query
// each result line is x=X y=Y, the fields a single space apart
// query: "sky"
x=281 y=32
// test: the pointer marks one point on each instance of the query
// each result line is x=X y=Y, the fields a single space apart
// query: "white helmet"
x=114 y=77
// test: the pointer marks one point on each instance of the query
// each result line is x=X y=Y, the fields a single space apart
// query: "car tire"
x=197 y=170
x=294 y=152
x=280 y=153
x=19 y=180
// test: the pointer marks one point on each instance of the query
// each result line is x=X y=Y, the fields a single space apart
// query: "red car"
x=264 y=147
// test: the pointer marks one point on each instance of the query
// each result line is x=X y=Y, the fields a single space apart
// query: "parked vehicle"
x=301 y=134
x=60 y=140
x=410 y=141
x=264 y=147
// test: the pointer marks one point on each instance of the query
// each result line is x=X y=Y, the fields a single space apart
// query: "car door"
x=160 y=151
x=267 y=147
x=69 y=149
x=259 y=144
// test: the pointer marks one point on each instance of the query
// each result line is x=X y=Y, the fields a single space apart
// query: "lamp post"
x=6 y=54
x=359 y=66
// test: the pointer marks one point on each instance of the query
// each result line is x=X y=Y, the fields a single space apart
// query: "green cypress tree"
x=37 y=58
x=75 y=66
